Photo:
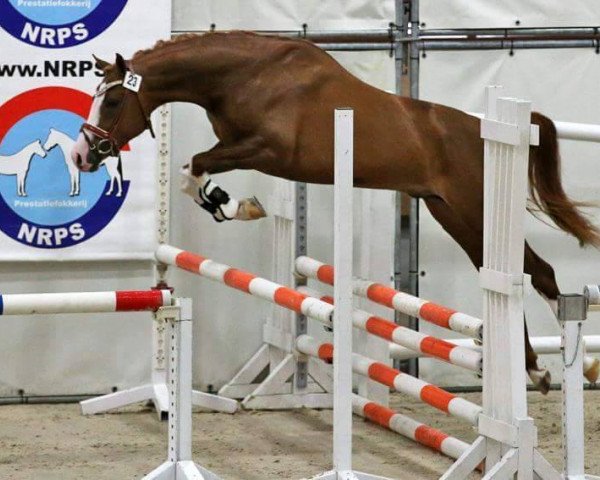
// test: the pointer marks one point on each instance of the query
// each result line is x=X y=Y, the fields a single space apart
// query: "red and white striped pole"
x=409 y=428
x=400 y=301
x=402 y=382
x=246 y=282
x=83 y=302
x=408 y=338
x=319 y=309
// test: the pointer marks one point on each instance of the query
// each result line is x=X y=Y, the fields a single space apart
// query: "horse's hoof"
x=250 y=209
x=541 y=379
x=591 y=369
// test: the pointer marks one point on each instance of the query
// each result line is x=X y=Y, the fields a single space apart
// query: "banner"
x=48 y=209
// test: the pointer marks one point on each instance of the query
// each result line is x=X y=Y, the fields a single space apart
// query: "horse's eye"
x=112 y=102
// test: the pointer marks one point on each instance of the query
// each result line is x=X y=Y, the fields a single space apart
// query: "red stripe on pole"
x=326 y=352
x=430 y=437
x=189 y=261
x=288 y=298
x=381 y=294
x=238 y=279
x=383 y=374
x=327 y=299
x=437 y=347
x=436 y=397
x=129 y=301
x=378 y=414
x=325 y=274
x=380 y=327
x=436 y=314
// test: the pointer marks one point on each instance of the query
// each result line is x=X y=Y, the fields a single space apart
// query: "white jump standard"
x=572 y=312
x=508 y=437
x=176 y=314
x=157 y=391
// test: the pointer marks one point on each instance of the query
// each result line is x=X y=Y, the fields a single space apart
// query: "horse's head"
x=117 y=115
x=51 y=141
x=38 y=149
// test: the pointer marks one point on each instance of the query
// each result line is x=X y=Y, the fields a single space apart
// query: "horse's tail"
x=546 y=191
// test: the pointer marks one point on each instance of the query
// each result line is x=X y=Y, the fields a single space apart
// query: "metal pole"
x=399 y=68
x=502 y=44
x=409 y=228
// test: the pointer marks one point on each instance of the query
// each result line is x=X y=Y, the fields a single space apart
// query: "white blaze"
x=81 y=148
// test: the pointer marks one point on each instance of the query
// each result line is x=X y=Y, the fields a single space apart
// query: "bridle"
x=109 y=144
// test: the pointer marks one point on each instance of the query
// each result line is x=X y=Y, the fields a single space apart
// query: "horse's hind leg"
x=471 y=241
x=21 y=185
x=542 y=277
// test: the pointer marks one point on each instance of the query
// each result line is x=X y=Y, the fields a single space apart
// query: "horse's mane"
x=166 y=43
x=188 y=37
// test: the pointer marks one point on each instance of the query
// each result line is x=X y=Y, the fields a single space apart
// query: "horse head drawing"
x=37 y=149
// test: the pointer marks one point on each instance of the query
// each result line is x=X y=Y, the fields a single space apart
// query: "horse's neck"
x=30 y=150
x=193 y=71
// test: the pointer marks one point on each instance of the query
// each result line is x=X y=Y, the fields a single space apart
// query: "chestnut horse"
x=270 y=101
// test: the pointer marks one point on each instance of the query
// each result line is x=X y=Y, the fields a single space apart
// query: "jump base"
x=187 y=470
x=158 y=394
x=348 y=475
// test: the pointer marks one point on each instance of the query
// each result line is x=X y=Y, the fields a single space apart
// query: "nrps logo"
x=58 y=23
x=44 y=201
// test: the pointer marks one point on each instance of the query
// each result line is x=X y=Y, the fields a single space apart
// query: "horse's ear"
x=120 y=62
x=100 y=64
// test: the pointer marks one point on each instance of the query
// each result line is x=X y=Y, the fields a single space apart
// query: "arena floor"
x=54 y=442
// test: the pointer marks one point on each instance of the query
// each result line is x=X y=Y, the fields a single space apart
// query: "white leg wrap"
x=200 y=188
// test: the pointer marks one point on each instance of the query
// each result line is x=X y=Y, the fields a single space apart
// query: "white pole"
x=572 y=312
x=583 y=132
x=83 y=302
x=342 y=324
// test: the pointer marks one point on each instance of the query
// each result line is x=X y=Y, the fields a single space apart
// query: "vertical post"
x=407 y=218
x=505 y=186
x=163 y=206
x=413 y=278
x=572 y=311
x=400 y=251
x=342 y=326
x=180 y=382
x=300 y=247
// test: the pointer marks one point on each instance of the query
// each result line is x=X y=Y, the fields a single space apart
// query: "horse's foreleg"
x=111 y=186
x=249 y=154
x=119 y=180
x=211 y=197
x=72 y=182
x=76 y=179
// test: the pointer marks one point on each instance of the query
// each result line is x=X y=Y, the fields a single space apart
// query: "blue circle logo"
x=45 y=201
x=58 y=23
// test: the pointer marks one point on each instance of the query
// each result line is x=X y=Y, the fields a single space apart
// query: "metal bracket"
x=572 y=307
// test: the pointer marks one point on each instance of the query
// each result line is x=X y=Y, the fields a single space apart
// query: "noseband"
x=109 y=144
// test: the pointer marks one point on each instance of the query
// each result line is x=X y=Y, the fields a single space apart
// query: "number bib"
x=132 y=81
